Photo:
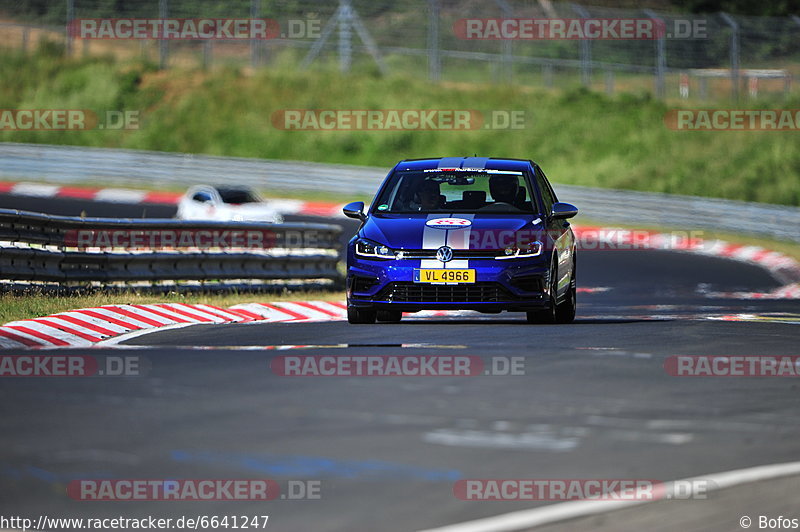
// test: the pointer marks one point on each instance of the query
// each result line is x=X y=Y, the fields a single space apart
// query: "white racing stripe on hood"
x=432 y=238
x=459 y=239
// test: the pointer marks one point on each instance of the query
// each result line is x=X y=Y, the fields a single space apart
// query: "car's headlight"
x=367 y=248
x=534 y=249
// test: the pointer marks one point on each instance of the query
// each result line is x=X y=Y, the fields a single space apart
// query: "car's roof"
x=489 y=163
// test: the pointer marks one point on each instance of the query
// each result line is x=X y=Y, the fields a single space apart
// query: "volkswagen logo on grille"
x=444 y=254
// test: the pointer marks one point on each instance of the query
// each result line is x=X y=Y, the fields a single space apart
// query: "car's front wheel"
x=565 y=312
x=549 y=314
x=355 y=315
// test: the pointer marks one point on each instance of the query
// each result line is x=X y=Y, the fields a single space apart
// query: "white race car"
x=226 y=204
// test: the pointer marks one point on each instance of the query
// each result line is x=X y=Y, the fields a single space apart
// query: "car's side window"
x=202 y=197
x=547 y=192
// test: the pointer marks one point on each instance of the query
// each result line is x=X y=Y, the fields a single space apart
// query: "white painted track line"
x=554 y=513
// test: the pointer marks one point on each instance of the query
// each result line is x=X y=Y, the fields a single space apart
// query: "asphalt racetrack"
x=595 y=401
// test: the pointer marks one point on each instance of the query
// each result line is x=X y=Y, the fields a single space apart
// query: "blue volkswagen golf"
x=462 y=233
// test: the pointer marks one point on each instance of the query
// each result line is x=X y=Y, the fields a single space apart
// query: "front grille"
x=443 y=293
x=457 y=253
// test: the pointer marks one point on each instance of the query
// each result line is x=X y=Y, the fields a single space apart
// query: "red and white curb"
x=131 y=196
x=111 y=195
x=783 y=267
x=110 y=324
x=88 y=326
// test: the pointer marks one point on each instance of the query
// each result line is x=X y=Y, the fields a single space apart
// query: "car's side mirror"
x=562 y=211
x=355 y=210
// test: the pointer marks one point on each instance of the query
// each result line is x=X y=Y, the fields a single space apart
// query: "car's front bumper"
x=516 y=285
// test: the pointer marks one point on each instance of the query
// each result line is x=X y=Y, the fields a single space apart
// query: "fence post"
x=207 y=54
x=163 y=50
x=70 y=16
x=547 y=75
x=586 y=50
x=734 y=54
x=506 y=44
x=609 y=82
x=661 y=54
x=434 y=58
x=345 y=35
x=255 y=48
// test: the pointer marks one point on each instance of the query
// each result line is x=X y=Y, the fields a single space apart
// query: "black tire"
x=355 y=315
x=389 y=316
x=565 y=312
x=548 y=315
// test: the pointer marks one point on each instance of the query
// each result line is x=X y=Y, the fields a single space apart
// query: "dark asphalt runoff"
x=593 y=401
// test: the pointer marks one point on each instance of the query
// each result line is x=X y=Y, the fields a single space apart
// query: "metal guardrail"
x=69 y=250
x=66 y=164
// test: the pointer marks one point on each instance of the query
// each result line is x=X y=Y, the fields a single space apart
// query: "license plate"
x=444 y=276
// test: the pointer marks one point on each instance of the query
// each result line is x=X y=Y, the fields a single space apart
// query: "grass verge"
x=578 y=136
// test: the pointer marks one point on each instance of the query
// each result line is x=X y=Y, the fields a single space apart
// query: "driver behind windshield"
x=504 y=188
x=429 y=194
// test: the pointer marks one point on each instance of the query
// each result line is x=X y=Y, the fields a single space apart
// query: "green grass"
x=579 y=137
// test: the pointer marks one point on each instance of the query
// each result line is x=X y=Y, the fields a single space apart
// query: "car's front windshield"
x=448 y=190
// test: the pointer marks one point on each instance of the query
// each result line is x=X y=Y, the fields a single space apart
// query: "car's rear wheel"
x=355 y=315
x=390 y=316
